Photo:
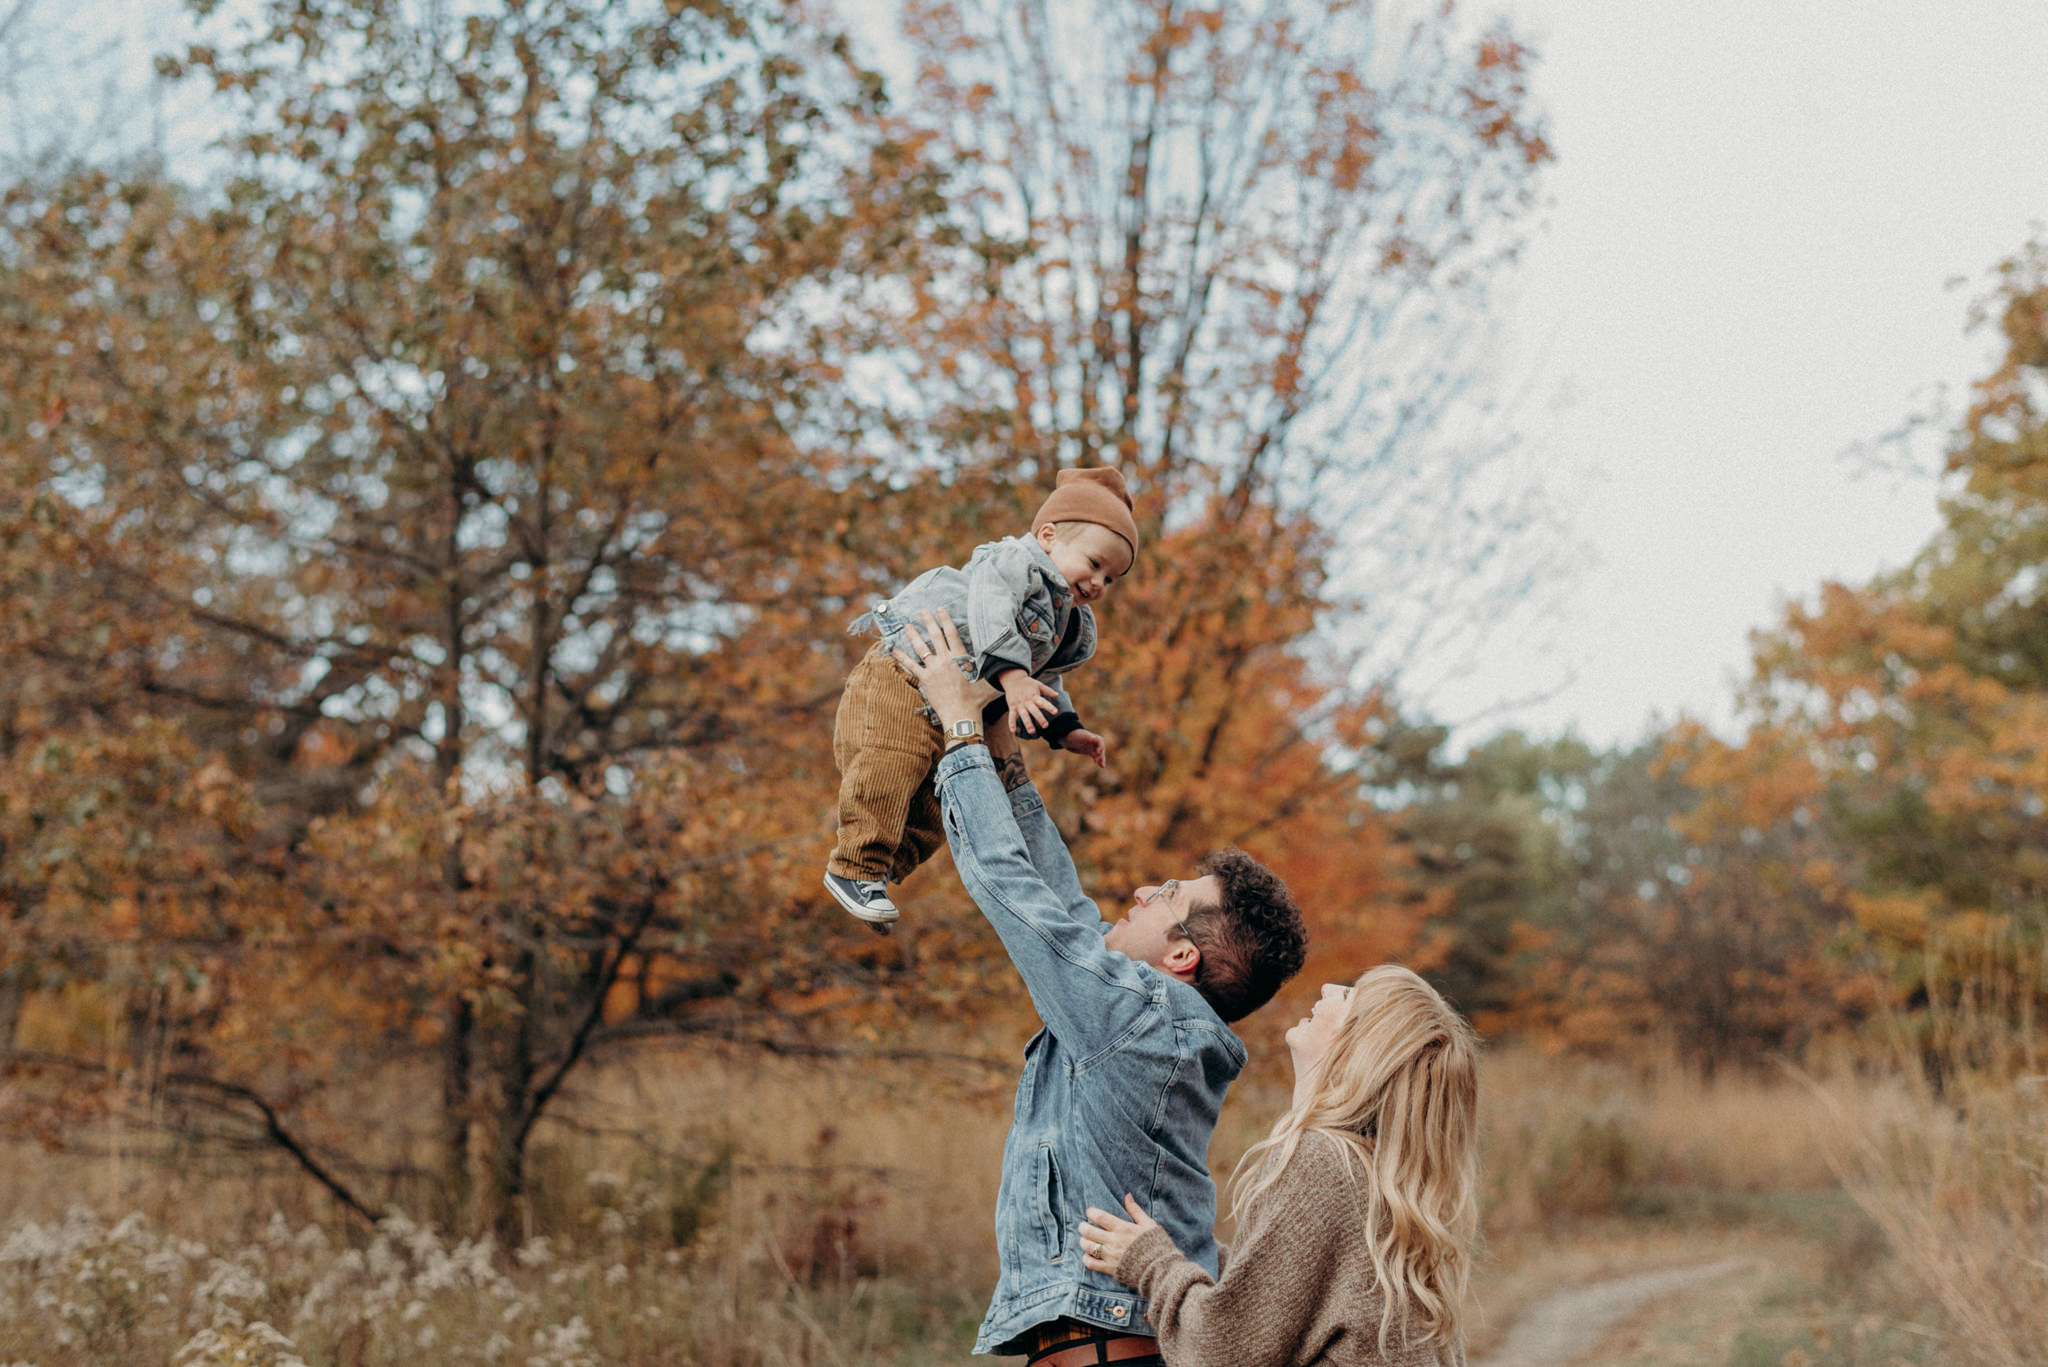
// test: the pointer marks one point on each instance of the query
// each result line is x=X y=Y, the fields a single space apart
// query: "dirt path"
x=1565 y=1326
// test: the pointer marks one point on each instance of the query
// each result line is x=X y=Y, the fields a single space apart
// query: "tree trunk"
x=456 y=1112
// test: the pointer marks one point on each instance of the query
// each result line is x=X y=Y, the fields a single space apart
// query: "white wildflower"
x=228 y=1292
x=27 y=1242
x=563 y=1346
x=34 y=1243
x=164 y=1261
x=255 y=1344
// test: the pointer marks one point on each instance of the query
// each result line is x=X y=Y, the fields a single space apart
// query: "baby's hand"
x=1031 y=701
x=1086 y=743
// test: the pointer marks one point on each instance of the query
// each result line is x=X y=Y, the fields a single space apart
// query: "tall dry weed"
x=80 y=1293
x=1954 y=1167
x=703 y=1207
x=723 y=1209
x=1566 y=1139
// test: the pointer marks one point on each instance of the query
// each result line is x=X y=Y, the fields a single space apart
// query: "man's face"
x=1147 y=931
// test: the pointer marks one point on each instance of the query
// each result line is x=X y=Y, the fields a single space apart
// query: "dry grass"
x=1955 y=1172
x=702 y=1208
x=714 y=1208
x=1569 y=1140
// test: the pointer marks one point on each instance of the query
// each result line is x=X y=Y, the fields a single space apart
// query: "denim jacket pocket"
x=1037 y=626
x=1052 y=1229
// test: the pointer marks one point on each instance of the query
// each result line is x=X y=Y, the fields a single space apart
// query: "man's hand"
x=1085 y=742
x=940 y=665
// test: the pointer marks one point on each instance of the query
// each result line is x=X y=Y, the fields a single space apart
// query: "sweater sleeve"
x=1269 y=1307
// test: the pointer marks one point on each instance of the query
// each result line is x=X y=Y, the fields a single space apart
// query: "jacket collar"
x=1062 y=591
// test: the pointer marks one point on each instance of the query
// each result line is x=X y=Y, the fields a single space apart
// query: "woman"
x=1356 y=1215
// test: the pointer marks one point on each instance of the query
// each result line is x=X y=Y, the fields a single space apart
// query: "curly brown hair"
x=1252 y=939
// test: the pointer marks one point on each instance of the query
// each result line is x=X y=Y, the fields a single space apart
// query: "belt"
x=1094 y=1352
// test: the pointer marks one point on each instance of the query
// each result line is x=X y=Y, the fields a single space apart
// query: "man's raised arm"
x=1014 y=864
x=1043 y=843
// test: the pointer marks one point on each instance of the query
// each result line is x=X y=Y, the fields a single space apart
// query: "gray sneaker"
x=867 y=899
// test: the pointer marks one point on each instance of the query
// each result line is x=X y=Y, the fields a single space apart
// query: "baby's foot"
x=866 y=898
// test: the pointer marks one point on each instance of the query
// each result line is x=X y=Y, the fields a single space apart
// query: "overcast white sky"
x=1747 y=268
x=1757 y=215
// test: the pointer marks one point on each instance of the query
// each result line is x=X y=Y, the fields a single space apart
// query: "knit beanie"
x=1094 y=495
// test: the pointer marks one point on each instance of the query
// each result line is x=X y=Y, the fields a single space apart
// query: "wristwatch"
x=966 y=731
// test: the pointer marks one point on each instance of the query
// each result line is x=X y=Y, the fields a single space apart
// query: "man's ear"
x=1181 y=959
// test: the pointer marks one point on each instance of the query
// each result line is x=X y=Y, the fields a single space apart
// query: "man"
x=1121 y=1088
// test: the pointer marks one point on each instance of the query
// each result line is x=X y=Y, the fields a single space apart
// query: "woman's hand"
x=1105 y=1238
x=941 y=666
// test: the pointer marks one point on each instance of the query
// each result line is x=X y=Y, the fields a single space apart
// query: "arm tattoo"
x=1010 y=769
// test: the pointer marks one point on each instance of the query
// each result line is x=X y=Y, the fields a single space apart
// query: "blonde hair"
x=1399 y=1093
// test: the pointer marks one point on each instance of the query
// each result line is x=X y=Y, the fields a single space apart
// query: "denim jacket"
x=1013 y=609
x=1121 y=1088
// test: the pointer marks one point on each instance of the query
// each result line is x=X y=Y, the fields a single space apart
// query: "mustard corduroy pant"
x=887 y=750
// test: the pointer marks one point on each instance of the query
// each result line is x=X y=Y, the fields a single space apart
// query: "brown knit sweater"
x=1297 y=1288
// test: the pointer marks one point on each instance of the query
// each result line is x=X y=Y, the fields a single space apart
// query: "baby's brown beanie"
x=1093 y=495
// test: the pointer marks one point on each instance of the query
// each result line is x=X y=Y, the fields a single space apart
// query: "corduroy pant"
x=887 y=749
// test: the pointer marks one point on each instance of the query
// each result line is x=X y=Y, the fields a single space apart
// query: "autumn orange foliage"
x=429 y=549
x=1898 y=749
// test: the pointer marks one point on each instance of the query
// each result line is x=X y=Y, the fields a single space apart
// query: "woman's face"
x=1310 y=1038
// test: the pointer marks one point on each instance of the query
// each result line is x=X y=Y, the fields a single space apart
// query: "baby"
x=1021 y=607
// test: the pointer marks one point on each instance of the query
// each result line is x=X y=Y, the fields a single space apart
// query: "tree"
x=1920 y=699
x=429 y=573
x=1710 y=916
x=1214 y=247
x=59 y=95
x=1876 y=832
x=1659 y=892
x=1493 y=841
x=1874 y=837
x=438 y=482
x=1225 y=730
x=1228 y=248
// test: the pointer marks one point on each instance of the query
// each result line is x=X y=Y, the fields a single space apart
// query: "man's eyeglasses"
x=1167 y=889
